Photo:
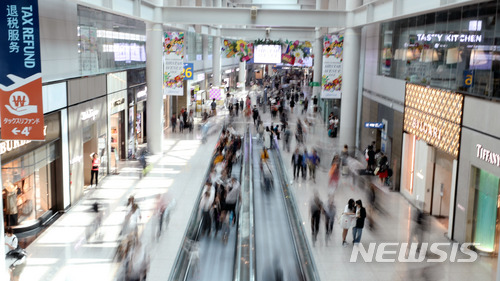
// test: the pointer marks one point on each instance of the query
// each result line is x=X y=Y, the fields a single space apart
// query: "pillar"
x=154 y=77
x=318 y=62
x=216 y=61
x=204 y=43
x=242 y=74
x=350 y=76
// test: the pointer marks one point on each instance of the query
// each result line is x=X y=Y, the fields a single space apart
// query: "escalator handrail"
x=244 y=268
x=302 y=247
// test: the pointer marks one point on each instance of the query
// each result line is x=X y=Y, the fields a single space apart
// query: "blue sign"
x=20 y=46
x=188 y=71
x=20 y=71
x=374 y=125
x=468 y=78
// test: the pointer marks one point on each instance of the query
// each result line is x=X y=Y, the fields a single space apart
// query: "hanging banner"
x=331 y=82
x=20 y=71
x=173 y=65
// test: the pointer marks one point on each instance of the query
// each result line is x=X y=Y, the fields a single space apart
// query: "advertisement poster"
x=20 y=71
x=331 y=82
x=173 y=65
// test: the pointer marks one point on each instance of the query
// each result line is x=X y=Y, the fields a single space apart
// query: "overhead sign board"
x=188 y=71
x=21 y=102
x=374 y=125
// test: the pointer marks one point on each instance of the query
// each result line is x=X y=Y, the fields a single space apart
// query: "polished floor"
x=65 y=251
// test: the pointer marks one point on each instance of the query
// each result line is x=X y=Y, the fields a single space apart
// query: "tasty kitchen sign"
x=20 y=72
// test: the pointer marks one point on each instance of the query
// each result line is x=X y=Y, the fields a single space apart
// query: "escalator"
x=281 y=244
x=207 y=257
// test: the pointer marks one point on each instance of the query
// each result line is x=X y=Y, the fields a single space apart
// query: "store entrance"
x=443 y=170
x=117 y=138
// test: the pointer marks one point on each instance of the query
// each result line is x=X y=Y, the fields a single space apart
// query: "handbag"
x=376 y=171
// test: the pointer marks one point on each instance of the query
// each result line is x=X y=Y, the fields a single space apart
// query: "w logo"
x=19 y=104
x=19 y=99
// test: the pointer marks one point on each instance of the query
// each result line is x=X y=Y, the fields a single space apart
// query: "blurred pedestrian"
x=330 y=211
x=357 y=230
x=315 y=211
x=346 y=220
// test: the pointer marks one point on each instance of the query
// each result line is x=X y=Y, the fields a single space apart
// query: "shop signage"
x=119 y=102
x=468 y=78
x=20 y=74
x=435 y=116
x=488 y=155
x=464 y=38
x=89 y=114
x=374 y=125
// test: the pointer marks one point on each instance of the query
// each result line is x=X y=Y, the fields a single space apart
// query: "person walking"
x=94 y=172
x=329 y=211
x=204 y=212
x=297 y=163
x=344 y=156
x=357 y=230
x=255 y=114
x=316 y=209
x=313 y=163
x=267 y=138
x=347 y=219
x=305 y=160
x=173 y=122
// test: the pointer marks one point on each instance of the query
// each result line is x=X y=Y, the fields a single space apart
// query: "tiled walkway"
x=63 y=252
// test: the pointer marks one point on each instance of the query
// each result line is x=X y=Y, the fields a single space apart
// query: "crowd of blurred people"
x=221 y=193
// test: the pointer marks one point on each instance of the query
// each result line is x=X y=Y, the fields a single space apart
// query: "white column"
x=204 y=43
x=154 y=70
x=242 y=75
x=318 y=62
x=216 y=61
x=350 y=76
x=218 y=3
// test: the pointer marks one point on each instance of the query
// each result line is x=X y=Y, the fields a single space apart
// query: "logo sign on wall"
x=173 y=65
x=20 y=71
x=331 y=81
x=435 y=116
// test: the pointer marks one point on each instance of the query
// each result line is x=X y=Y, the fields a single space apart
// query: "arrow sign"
x=15 y=131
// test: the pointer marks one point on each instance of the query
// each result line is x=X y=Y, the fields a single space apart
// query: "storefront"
x=117 y=128
x=383 y=125
x=432 y=124
x=87 y=131
x=31 y=181
x=477 y=209
x=137 y=94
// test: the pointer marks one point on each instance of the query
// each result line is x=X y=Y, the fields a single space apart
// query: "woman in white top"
x=10 y=240
x=267 y=138
x=347 y=219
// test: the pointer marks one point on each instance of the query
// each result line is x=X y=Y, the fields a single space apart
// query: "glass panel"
x=109 y=42
x=485 y=206
x=42 y=190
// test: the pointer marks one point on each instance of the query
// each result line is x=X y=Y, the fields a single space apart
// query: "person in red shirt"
x=94 y=172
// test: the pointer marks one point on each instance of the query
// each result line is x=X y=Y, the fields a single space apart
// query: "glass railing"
x=302 y=247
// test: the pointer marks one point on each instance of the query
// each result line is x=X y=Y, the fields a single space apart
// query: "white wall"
x=58 y=40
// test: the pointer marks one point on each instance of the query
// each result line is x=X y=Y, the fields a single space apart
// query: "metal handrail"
x=302 y=247
x=244 y=268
